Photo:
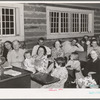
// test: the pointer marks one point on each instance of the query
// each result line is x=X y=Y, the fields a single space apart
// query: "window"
x=8 y=21
x=11 y=22
x=64 y=22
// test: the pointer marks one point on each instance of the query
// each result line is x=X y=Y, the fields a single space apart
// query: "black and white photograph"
x=50 y=46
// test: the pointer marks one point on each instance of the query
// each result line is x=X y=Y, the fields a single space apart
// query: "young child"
x=29 y=62
x=74 y=64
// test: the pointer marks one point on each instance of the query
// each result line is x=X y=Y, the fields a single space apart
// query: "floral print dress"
x=62 y=74
x=57 y=53
x=41 y=64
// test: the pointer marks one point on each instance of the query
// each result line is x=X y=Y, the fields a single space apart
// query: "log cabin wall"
x=97 y=21
x=35 y=22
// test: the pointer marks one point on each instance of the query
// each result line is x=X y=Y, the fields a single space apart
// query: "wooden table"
x=20 y=81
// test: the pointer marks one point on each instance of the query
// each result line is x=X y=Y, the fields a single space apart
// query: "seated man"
x=40 y=43
x=16 y=56
x=70 y=47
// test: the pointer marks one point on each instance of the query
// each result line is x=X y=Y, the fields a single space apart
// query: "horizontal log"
x=35 y=21
x=34 y=34
x=32 y=14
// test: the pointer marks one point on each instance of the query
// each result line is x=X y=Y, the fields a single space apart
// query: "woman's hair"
x=41 y=38
x=89 y=56
x=76 y=56
x=16 y=41
x=27 y=53
x=75 y=39
x=5 y=50
x=9 y=43
x=85 y=36
x=95 y=51
x=83 y=39
x=93 y=40
x=93 y=37
x=56 y=41
x=60 y=61
x=45 y=51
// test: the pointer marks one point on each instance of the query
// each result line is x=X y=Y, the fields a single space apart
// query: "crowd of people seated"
x=61 y=60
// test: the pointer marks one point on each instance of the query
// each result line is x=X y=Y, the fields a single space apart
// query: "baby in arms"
x=41 y=64
x=33 y=64
x=29 y=62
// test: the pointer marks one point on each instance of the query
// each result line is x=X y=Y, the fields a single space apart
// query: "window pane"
x=51 y=19
x=3 y=24
x=51 y=24
x=75 y=22
x=57 y=14
x=11 y=18
x=7 y=24
x=84 y=22
x=11 y=24
x=54 y=19
x=3 y=31
x=2 y=11
x=64 y=22
x=51 y=30
x=7 y=11
x=11 y=11
x=3 y=18
x=54 y=14
x=7 y=18
x=54 y=22
x=7 y=31
x=12 y=31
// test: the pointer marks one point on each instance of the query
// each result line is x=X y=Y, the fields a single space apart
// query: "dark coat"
x=93 y=67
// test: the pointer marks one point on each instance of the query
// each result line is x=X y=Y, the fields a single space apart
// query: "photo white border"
x=32 y=93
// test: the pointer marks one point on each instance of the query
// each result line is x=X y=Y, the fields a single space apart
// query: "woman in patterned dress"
x=57 y=50
x=41 y=60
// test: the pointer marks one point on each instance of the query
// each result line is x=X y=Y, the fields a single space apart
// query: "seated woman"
x=16 y=56
x=94 y=46
x=40 y=59
x=3 y=61
x=58 y=70
x=8 y=46
x=93 y=67
x=57 y=50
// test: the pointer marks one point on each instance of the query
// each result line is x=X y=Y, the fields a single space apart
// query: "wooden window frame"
x=70 y=11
